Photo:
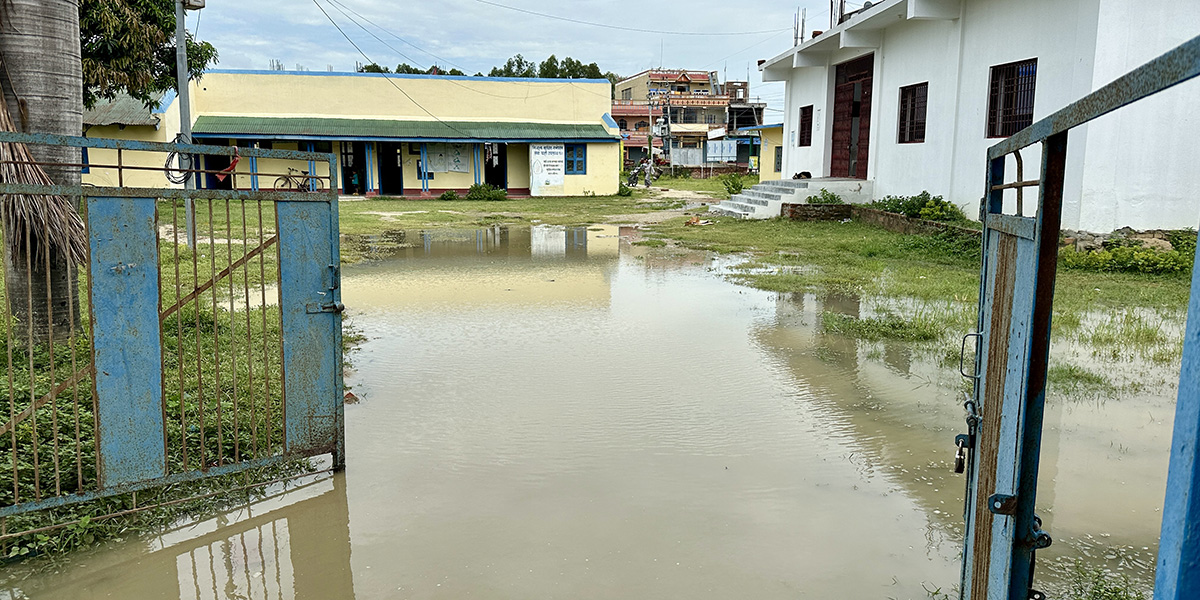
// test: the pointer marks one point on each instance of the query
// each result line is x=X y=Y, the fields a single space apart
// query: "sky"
x=475 y=35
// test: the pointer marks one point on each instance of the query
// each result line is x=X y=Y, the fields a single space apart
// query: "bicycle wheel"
x=285 y=184
x=317 y=184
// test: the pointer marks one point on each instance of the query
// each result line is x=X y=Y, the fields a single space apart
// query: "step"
x=722 y=211
x=791 y=184
x=746 y=199
x=764 y=194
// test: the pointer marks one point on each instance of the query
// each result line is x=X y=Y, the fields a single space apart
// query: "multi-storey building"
x=693 y=106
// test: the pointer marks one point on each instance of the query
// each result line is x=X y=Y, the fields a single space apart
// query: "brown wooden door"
x=852 y=118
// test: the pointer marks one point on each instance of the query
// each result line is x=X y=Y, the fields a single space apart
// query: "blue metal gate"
x=161 y=362
x=1004 y=413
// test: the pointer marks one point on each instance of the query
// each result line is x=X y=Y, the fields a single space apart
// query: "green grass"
x=711 y=186
x=887 y=327
x=1072 y=379
x=1097 y=584
x=241 y=421
x=856 y=258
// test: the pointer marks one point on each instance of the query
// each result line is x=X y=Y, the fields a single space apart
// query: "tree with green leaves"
x=129 y=46
x=59 y=56
x=375 y=68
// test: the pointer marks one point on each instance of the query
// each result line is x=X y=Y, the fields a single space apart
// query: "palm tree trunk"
x=42 y=79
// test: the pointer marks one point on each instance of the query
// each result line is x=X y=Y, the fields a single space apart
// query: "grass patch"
x=714 y=187
x=651 y=243
x=856 y=258
x=1097 y=584
x=887 y=327
x=1072 y=379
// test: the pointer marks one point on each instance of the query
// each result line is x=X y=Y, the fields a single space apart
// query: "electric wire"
x=389 y=79
x=622 y=28
x=377 y=26
x=335 y=4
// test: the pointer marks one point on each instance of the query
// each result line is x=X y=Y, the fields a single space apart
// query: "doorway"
x=212 y=164
x=495 y=165
x=354 y=168
x=391 y=169
x=852 y=117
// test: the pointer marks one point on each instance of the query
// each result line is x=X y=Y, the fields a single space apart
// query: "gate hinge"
x=1002 y=504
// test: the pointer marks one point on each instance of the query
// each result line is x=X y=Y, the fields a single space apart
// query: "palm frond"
x=36 y=223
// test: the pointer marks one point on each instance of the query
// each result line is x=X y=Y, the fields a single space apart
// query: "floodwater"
x=557 y=413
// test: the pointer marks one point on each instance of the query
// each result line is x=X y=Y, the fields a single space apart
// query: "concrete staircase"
x=766 y=199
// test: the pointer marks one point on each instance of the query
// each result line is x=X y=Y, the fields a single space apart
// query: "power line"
x=389 y=79
x=743 y=50
x=377 y=26
x=634 y=29
x=335 y=4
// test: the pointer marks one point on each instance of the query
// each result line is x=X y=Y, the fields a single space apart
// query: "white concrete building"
x=909 y=94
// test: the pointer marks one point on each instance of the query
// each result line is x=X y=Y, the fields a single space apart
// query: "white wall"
x=915 y=52
x=806 y=86
x=1061 y=35
x=1141 y=160
x=1133 y=168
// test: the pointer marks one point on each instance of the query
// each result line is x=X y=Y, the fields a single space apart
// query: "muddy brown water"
x=556 y=413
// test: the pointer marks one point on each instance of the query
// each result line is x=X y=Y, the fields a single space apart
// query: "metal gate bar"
x=1002 y=531
x=137 y=409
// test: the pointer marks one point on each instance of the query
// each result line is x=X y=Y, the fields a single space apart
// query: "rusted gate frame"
x=327 y=300
x=1179 y=553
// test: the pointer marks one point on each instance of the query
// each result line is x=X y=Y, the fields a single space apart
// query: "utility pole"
x=183 y=77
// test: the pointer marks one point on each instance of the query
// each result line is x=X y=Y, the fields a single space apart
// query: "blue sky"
x=475 y=36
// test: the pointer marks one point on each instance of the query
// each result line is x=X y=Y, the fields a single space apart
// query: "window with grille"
x=912 y=113
x=778 y=158
x=804 y=137
x=576 y=155
x=1010 y=98
x=623 y=124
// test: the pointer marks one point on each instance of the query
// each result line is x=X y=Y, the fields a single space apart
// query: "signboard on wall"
x=547 y=169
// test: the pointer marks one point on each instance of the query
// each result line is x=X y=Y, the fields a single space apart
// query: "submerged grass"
x=856 y=258
x=887 y=327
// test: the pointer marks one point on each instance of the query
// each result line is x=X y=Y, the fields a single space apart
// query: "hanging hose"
x=182 y=173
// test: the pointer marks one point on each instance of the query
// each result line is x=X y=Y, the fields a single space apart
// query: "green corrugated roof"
x=121 y=110
x=319 y=127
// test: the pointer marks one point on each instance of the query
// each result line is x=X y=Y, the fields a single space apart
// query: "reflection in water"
x=553 y=412
x=295 y=544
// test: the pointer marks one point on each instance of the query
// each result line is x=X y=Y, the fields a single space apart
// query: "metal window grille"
x=806 y=123
x=778 y=159
x=1010 y=98
x=912 y=113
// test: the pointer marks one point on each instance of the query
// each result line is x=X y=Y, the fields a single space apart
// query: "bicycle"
x=303 y=182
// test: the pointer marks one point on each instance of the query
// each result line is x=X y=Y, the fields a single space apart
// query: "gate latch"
x=328 y=307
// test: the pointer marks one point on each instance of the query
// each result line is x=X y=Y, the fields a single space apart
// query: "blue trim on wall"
x=423 y=172
x=608 y=120
x=401 y=76
x=369 y=186
x=165 y=103
x=478 y=165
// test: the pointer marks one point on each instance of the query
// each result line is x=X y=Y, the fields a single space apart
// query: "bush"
x=624 y=190
x=486 y=191
x=921 y=206
x=732 y=182
x=449 y=195
x=1126 y=258
x=682 y=173
x=825 y=197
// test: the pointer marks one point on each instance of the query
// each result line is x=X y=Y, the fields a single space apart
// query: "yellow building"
x=394 y=135
x=770 y=156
